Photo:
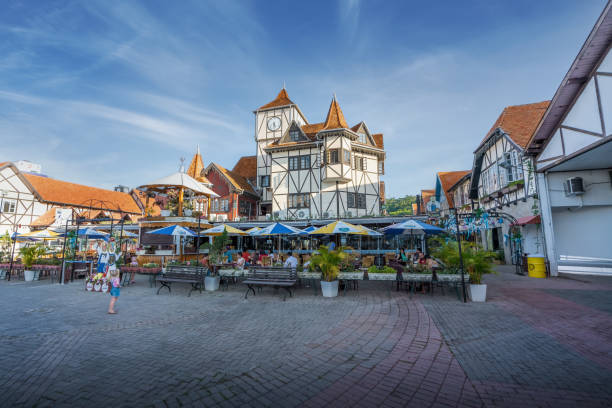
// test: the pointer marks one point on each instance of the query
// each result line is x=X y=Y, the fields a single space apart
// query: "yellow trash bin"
x=536 y=266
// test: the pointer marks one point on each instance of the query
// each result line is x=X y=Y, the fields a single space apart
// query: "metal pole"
x=12 y=255
x=460 y=256
x=198 y=242
x=64 y=254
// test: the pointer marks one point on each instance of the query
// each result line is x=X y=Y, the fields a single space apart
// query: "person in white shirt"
x=291 y=262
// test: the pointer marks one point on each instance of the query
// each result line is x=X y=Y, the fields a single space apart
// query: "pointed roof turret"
x=282 y=99
x=196 y=167
x=335 y=117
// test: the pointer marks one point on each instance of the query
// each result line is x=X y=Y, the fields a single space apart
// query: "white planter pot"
x=165 y=213
x=187 y=213
x=28 y=276
x=478 y=293
x=211 y=283
x=329 y=289
x=141 y=252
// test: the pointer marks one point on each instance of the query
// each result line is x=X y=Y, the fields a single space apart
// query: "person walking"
x=115 y=291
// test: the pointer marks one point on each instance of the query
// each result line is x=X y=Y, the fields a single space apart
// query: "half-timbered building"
x=503 y=179
x=460 y=193
x=316 y=170
x=573 y=150
x=443 y=195
x=237 y=197
x=30 y=200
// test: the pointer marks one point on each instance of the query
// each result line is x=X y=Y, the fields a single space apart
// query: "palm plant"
x=476 y=261
x=30 y=254
x=328 y=262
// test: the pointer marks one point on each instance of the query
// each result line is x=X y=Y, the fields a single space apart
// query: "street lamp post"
x=460 y=255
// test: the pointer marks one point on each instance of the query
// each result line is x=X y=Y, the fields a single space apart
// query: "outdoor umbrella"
x=218 y=230
x=412 y=227
x=44 y=235
x=277 y=229
x=90 y=233
x=175 y=231
x=253 y=231
x=338 y=227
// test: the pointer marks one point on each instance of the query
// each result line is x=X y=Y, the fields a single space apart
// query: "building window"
x=347 y=156
x=361 y=163
x=333 y=156
x=294 y=163
x=264 y=181
x=9 y=206
x=363 y=138
x=381 y=167
x=356 y=200
x=300 y=200
x=244 y=207
x=294 y=134
x=305 y=162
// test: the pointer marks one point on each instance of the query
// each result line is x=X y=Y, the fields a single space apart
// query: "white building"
x=573 y=148
x=29 y=201
x=503 y=180
x=316 y=170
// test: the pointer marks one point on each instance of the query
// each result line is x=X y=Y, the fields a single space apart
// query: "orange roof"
x=378 y=139
x=519 y=122
x=45 y=220
x=335 y=117
x=312 y=129
x=448 y=179
x=236 y=179
x=246 y=167
x=282 y=99
x=71 y=194
x=196 y=167
x=153 y=209
x=426 y=195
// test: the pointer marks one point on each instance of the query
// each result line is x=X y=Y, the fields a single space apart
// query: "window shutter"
x=364 y=162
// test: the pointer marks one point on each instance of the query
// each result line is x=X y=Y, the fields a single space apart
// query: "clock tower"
x=271 y=122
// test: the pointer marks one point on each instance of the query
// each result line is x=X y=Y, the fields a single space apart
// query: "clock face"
x=274 y=123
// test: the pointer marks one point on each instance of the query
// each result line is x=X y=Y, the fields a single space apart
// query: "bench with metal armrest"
x=182 y=274
x=258 y=276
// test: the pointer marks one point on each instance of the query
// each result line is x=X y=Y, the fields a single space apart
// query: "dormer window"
x=363 y=138
x=294 y=135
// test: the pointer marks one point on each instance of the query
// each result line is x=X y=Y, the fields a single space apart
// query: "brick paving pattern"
x=534 y=343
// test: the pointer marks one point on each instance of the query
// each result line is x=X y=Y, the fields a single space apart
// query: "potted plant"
x=476 y=263
x=215 y=257
x=328 y=263
x=29 y=255
x=381 y=273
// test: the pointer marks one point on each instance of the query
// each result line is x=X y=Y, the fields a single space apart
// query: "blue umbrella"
x=174 y=230
x=278 y=229
x=411 y=227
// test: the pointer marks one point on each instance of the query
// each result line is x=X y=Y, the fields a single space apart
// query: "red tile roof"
x=71 y=194
x=246 y=167
x=335 y=117
x=425 y=196
x=448 y=179
x=45 y=220
x=312 y=129
x=282 y=99
x=236 y=179
x=519 y=122
x=378 y=139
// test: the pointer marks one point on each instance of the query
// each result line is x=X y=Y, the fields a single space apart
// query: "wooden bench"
x=182 y=274
x=258 y=276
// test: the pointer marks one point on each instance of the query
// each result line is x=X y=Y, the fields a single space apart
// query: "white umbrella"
x=179 y=179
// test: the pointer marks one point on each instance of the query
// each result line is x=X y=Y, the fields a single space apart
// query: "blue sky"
x=115 y=92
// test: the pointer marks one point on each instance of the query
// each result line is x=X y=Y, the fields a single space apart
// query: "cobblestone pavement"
x=534 y=343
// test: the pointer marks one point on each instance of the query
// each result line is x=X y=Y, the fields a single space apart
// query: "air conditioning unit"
x=268 y=217
x=326 y=215
x=573 y=186
x=302 y=214
x=348 y=214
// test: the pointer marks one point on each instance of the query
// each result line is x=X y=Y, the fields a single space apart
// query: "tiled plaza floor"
x=534 y=343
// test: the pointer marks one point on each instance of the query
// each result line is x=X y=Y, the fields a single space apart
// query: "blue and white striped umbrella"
x=174 y=230
x=278 y=229
x=412 y=227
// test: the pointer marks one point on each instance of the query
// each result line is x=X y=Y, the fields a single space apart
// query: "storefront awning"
x=532 y=219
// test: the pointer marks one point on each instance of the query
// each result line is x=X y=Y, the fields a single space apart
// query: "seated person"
x=422 y=259
x=228 y=253
x=204 y=260
x=417 y=255
x=240 y=263
x=291 y=262
x=430 y=262
x=134 y=261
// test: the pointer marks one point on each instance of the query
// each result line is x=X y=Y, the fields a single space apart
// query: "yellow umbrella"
x=339 y=227
x=218 y=230
x=44 y=235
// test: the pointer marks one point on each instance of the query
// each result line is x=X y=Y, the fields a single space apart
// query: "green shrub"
x=381 y=269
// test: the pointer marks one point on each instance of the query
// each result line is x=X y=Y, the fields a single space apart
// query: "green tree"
x=400 y=206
